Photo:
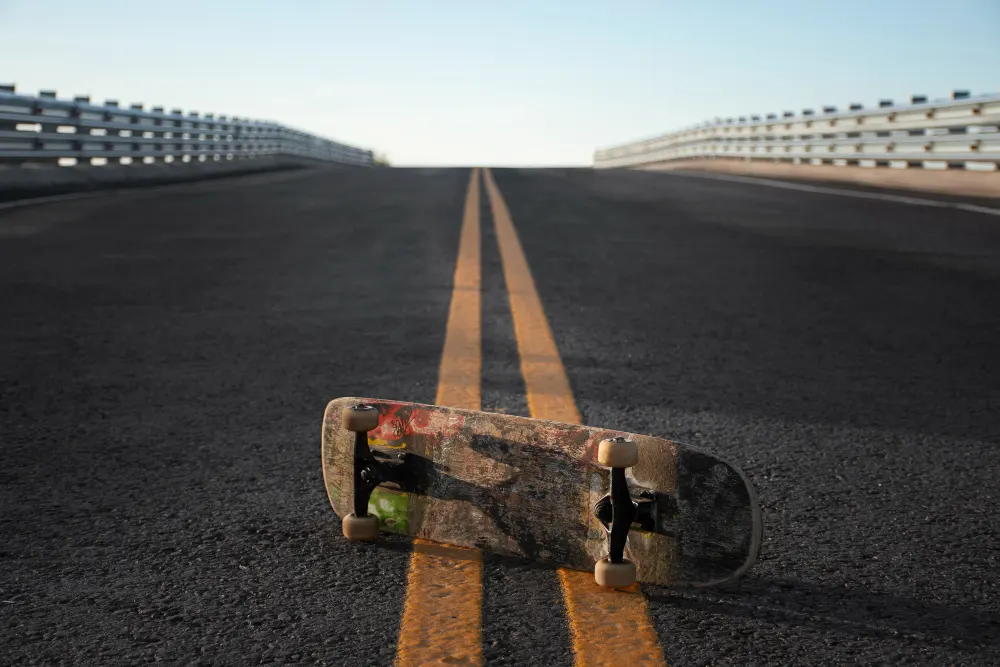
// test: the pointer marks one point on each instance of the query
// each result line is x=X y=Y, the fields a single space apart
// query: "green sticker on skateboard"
x=391 y=509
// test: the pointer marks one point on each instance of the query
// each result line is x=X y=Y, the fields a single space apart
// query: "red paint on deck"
x=398 y=421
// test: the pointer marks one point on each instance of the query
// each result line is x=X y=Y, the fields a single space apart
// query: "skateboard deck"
x=528 y=488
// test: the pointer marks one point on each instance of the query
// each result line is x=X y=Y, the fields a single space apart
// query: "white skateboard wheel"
x=614 y=575
x=617 y=453
x=361 y=528
x=360 y=418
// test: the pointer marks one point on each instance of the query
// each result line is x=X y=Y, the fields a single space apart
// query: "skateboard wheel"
x=360 y=418
x=614 y=575
x=617 y=453
x=363 y=528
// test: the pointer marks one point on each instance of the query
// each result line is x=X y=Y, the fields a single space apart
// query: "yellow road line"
x=460 y=377
x=442 y=615
x=549 y=393
x=609 y=627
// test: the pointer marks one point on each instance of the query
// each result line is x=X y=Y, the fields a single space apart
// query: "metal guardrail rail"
x=962 y=132
x=45 y=129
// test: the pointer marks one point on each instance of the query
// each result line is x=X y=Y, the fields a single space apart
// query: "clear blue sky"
x=442 y=82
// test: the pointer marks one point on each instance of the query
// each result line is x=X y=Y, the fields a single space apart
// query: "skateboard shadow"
x=839 y=610
x=536 y=507
x=530 y=506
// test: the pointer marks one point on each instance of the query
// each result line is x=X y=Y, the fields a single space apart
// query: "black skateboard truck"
x=617 y=512
x=370 y=470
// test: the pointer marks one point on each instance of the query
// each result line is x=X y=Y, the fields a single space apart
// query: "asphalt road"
x=165 y=358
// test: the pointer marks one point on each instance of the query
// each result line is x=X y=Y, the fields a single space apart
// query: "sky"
x=498 y=83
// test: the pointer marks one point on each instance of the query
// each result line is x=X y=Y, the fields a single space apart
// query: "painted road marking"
x=549 y=393
x=978 y=209
x=608 y=627
x=460 y=377
x=442 y=614
x=899 y=199
x=245 y=179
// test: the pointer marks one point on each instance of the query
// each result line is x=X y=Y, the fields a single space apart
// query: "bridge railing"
x=45 y=129
x=962 y=132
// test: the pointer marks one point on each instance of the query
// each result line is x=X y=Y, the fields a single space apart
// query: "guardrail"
x=45 y=129
x=962 y=132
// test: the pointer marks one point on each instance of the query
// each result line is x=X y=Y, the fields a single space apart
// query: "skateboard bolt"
x=368 y=475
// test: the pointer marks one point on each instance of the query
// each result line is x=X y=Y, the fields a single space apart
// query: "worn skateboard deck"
x=527 y=488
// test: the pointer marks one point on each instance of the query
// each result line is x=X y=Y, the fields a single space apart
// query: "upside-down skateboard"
x=628 y=506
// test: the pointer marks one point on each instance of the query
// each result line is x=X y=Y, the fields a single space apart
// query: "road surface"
x=166 y=356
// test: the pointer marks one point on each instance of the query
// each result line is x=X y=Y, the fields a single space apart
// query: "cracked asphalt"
x=165 y=358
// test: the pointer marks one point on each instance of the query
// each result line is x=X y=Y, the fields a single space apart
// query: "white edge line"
x=978 y=209
x=142 y=189
x=900 y=199
x=51 y=199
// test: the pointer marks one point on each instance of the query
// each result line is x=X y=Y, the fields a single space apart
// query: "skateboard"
x=629 y=507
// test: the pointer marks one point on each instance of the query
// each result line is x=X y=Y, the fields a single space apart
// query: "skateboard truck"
x=369 y=472
x=619 y=511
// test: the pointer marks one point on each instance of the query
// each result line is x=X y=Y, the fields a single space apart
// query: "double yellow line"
x=442 y=615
